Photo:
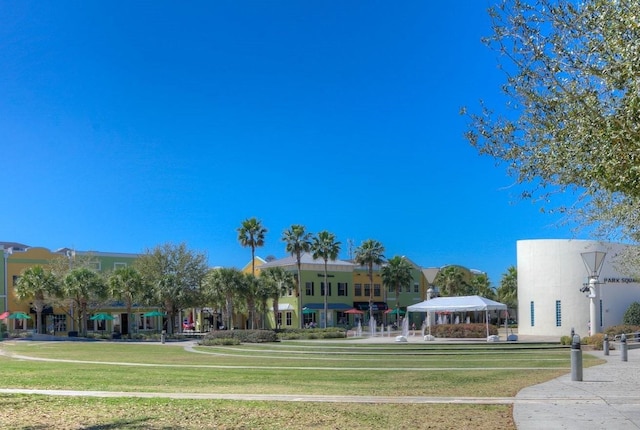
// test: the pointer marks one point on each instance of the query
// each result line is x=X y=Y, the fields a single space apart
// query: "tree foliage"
x=572 y=85
x=451 y=281
x=39 y=285
x=325 y=246
x=297 y=241
x=175 y=275
x=395 y=275
x=251 y=234
x=481 y=285
x=370 y=253
x=632 y=314
x=508 y=289
x=83 y=286
x=225 y=286
x=126 y=284
x=275 y=281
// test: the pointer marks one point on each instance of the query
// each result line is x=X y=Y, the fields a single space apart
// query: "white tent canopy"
x=458 y=304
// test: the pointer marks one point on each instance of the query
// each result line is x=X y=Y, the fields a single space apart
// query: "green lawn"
x=498 y=370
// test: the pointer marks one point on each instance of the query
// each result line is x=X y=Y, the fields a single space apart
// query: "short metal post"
x=163 y=336
x=623 y=347
x=605 y=344
x=576 y=359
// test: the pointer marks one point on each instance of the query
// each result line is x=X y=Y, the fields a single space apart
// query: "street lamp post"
x=593 y=262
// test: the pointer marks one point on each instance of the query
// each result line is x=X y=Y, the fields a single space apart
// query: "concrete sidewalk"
x=608 y=397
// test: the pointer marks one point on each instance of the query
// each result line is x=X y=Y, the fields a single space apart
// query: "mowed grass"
x=285 y=368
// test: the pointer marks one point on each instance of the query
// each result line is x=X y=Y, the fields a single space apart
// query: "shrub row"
x=312 y=333
x=232 y=337
x=463 y=330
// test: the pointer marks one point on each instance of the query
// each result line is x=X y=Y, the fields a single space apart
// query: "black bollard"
x=605 y=344
x=623 y=347
x=576 y=359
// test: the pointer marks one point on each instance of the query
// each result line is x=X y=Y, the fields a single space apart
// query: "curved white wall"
x=550 y=275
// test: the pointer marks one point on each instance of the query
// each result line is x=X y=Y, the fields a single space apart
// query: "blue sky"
x=124 y=125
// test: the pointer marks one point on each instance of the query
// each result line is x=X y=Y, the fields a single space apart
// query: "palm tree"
x=36 y=283
x=251 y=234
x=249 y=293
x=481 y=286
x=325 y=246
x=368 y=254
x=508 y=290
x=277 y=282
x=82 y=285
x=225 y=284
x=297 y=241
x=396 y=274
x=450 y=281
x=126 y=284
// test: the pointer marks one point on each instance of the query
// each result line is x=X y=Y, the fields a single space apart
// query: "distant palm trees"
x=368 y=254
x=276 y=281
x=251 y=234
x=297 y=241
x=326 y=247
x=396 y=274
x=38 y=284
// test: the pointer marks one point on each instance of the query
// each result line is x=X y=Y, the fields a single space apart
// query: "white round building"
x=551 y=275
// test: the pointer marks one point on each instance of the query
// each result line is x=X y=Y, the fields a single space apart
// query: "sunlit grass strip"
x=250 y=356
x=126 y=413
x=172 y=369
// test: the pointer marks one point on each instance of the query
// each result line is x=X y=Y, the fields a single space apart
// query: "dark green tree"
x=297 y=241
x=82 y=286
x=126 y=284
x=251 y=234
x=480 y=285
x=325 y=246
x=508 y=289
x=175 y=275
x=39 y=285
x=632 y=314
x=225 y=286
x=395 y=275
x=276 y=282
x=451 y=281
x=369 y=254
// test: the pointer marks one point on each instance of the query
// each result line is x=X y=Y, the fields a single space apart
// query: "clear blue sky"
x=124 y=125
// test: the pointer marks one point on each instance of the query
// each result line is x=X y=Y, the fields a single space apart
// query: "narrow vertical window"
x=558 y=314
x=533 y=314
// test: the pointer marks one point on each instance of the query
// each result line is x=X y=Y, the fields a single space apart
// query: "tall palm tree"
x=83 y=285
x=325 y=246
x=297 y=241
x=127 y=284
x=481 y=285
x=451 y=281
x=251 y=234
x=508 y=289
x=250 y=293
x=395 y=275
x=36 y=283
x=277 y=281
x=370 y=253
